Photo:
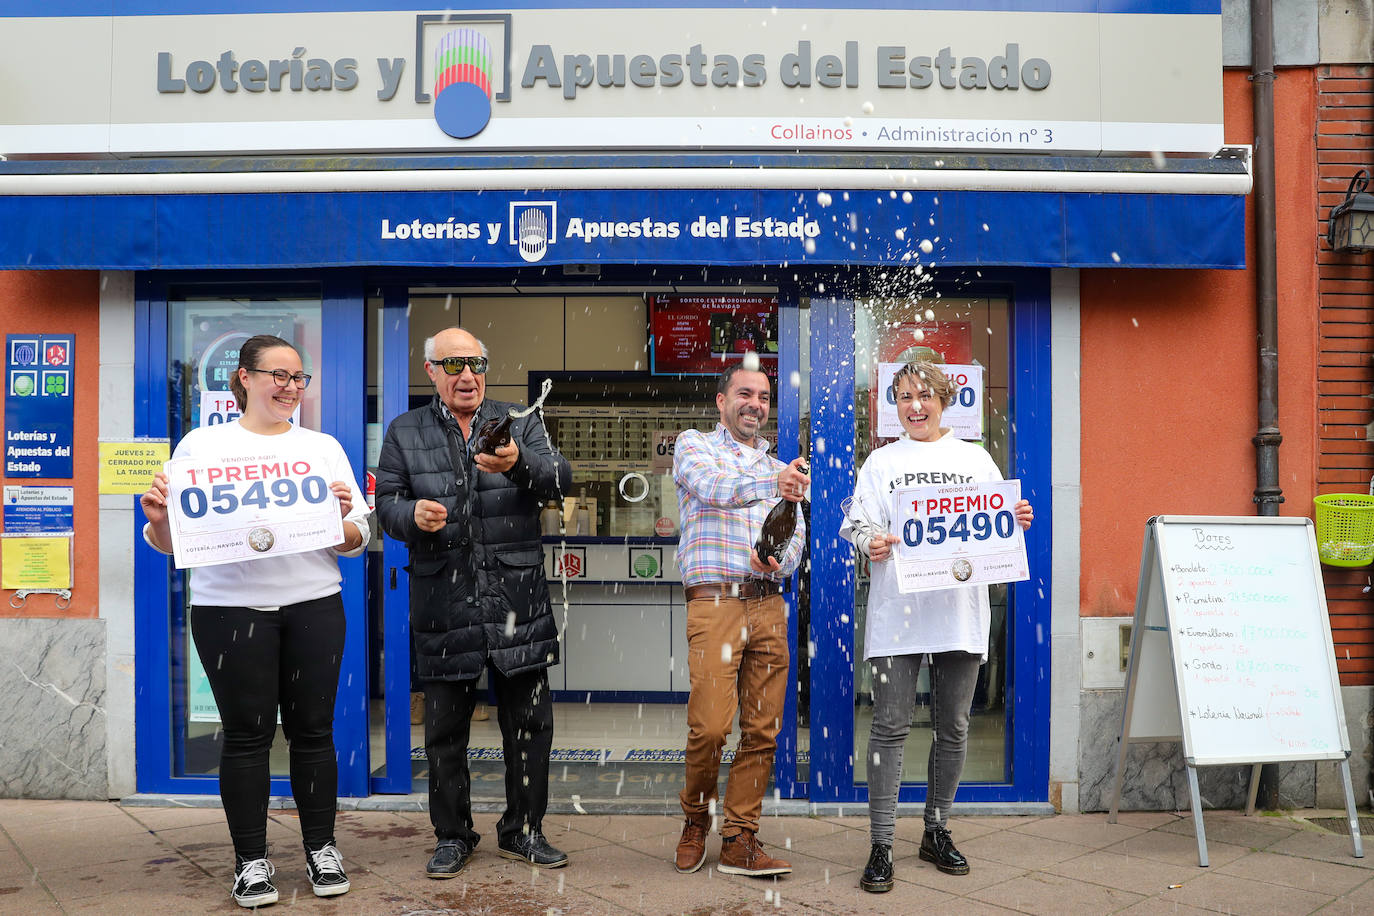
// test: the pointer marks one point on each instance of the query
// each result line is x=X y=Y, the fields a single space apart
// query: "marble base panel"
x=1156 y=779
x=52 y=720
x=1358 y=703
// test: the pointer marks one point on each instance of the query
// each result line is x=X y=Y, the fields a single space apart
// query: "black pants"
x=257 y=662
x=524 y=710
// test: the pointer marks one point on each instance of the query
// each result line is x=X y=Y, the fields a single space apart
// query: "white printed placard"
x=964 y=416
x=664 y=444
x=953 y=535
x=222 y=407
x=229 y=508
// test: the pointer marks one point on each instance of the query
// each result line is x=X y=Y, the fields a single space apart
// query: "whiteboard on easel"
x=1238 y=605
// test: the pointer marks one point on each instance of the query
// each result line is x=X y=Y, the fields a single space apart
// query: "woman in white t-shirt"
x=949 y=626
x=270 y=631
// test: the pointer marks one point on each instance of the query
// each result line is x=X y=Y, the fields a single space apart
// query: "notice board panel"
x=1253 y=662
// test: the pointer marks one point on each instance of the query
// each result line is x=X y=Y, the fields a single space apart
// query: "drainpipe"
x=1268 y=493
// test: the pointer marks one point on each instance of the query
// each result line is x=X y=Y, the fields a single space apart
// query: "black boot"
x=877 y=878
x=938 y=846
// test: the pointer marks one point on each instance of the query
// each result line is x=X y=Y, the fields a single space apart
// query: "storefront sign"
x=231 y=508
x=616 y=561
x=39 y=374
x=952 y=535
x=128 y=465
x=35 y=561
x=964 y=416
x=987 y=228
x=36 y=510
x=846 y=75
x=700 y=334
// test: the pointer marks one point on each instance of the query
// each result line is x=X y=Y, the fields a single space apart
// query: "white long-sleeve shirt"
x=269 y=583
x=946 y=620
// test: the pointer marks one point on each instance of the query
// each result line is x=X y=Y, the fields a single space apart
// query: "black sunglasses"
x=453 y=365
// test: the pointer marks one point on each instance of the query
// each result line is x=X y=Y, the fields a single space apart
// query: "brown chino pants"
x=750 y=676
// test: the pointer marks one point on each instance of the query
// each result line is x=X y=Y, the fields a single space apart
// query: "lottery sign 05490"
x=952 y=535
x=228 y=508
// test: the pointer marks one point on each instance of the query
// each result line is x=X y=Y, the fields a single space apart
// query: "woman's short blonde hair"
x=932 y=376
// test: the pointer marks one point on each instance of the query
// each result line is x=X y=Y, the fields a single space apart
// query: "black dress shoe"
x=938 y=846
x=449 y=858
x=877 y=878
x=532 y=848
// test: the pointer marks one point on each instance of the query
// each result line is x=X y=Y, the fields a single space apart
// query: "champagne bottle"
x=776 y=531
x=493 y=434
x=549 y=519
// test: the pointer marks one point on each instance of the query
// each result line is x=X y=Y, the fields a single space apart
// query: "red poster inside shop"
x=699 y=335
x=951 y=340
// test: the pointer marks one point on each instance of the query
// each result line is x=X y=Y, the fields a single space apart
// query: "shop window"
x=206 y=327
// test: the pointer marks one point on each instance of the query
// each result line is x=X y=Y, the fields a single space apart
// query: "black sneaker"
x=253 y=883
x=938 y=846
x=324 y=867
x=877 y=877
x=534 y=849
x=449 y=858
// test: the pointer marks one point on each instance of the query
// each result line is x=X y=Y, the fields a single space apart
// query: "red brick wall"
x=1345 y=370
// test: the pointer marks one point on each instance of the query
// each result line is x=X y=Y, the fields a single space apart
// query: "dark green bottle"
x=776 y=531
x=493 y=434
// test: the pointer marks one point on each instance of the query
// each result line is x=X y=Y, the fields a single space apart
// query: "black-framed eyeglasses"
x=453 y=365
x=283 y=378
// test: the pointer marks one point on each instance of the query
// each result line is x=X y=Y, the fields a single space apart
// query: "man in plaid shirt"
x=737 y=649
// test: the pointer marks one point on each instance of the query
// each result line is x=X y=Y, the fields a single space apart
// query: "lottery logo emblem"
x=462 y=83
x=261 y=539
x=533 y=228
x=24 y=353
x=962 y=569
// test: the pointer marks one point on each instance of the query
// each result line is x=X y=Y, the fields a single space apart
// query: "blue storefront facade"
x=856 y=254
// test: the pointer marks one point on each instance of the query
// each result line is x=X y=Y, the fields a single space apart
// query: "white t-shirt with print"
x=945 y=620
x=272 y=582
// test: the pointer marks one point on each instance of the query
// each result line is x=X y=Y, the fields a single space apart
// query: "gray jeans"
x=953 y=676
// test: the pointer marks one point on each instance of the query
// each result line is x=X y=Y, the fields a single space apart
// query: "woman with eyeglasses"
x=270 y=631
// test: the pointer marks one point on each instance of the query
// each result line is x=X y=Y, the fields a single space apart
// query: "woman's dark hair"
x=250 y=356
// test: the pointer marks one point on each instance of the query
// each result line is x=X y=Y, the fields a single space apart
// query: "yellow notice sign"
x=35 y=562
x=128 y=465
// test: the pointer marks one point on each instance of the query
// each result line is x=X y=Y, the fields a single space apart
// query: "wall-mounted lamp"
x=1351 y=227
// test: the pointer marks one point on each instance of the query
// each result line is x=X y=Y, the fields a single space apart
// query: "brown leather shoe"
x=744 y=855
x=691 y=849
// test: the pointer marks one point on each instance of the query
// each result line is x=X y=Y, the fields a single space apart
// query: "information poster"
x=39 y=375
x=38 y=510
x=228 y=508
x=35 y=561
x=127 y=466
x=953 y=535
x=964 y=416
x=699 y=335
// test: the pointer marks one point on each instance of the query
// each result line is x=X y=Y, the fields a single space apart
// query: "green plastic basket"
x=1345 y=529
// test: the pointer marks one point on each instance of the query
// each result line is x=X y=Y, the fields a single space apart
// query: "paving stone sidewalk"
x=101 y=857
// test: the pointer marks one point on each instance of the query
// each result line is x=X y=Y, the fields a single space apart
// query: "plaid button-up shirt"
x=725 y=490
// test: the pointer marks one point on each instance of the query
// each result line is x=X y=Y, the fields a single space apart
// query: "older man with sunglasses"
x=478 y=597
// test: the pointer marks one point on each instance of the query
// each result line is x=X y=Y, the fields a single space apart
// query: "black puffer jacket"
x=477 y=586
